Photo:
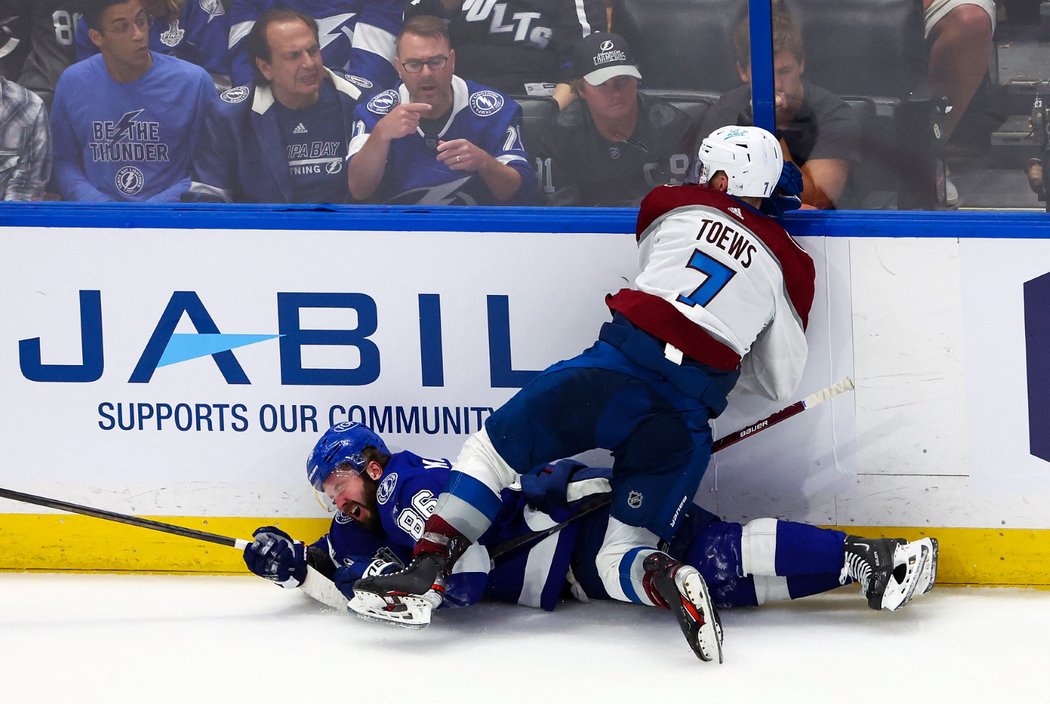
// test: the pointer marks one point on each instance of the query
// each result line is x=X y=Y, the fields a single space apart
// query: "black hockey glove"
x=273 y=555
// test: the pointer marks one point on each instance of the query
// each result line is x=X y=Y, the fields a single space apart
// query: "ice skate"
x=404 y=611
x=406 y=597
x=914 y=572
x=684 y=591
x=890 y=570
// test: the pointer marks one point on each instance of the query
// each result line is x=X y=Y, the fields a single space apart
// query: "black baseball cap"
x=603 y=55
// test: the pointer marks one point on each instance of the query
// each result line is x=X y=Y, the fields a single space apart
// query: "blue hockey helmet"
x=343 y=443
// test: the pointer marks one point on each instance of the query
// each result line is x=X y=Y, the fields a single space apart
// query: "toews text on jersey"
x=721 y=282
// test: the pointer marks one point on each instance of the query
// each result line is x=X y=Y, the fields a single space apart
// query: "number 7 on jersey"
x=717 y=273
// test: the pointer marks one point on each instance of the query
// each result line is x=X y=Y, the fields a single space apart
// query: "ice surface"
x=142 y=638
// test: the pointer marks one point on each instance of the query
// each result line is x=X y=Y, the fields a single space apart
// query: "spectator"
x=613 y=145
x=959 y=34
x=438 y=138
x=25 y=143
x=125 y=121
x=192 y=30
x=521 y=47
x=816 y=129
x=51 y=26
x=357 y=36
x=284 y=140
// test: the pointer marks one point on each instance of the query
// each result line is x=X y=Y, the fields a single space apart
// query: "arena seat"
x=871 y=50
x=682 y=45
x=695 y=104
x=534 y=112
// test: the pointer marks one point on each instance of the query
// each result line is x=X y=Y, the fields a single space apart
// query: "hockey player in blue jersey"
x=125 y=121
x=192 y=30
x=283 y=140
x=357 y=36
x=438 y=139
x=383 y=499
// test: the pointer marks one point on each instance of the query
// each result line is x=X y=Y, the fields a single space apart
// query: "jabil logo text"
x=166 y=347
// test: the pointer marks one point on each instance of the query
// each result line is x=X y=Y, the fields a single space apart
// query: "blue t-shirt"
x=127 y=141
x=315 y=146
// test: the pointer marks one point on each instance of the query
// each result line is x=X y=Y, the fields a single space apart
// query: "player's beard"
x=371 y=487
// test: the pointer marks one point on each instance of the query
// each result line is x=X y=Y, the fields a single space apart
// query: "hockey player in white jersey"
x=724 y=294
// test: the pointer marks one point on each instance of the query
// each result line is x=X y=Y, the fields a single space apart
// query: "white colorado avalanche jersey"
x=724 y=284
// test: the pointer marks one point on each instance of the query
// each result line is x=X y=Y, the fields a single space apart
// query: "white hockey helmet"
x=749 y=156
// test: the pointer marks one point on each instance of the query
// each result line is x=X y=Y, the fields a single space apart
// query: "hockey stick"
x=733 y=438
x=794 y=409
x=122 y=518
x=501 y=549
x=317 y=585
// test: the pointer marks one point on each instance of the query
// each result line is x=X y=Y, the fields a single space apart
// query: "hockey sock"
x=783 y=548
x=809 y=584
x=803 y=549
x=436 y=535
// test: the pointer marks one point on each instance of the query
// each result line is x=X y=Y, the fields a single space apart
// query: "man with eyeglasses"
x=125 y=122
x=193 y=30
x=382 y=500
x=436 y=138
x=283 y=140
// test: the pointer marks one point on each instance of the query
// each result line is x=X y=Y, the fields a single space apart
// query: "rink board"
x=184 y=373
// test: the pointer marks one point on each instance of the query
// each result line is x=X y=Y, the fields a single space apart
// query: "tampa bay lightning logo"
x=129 y=180
x=237 y=94
x=384 y=102
x=386 y=488
x=485 y=102
x=214 y=8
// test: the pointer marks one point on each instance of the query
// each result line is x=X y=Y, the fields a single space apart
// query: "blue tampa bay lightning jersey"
x=356 y=36
x=198 y=35
x=413 y=174
x=406 y=497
